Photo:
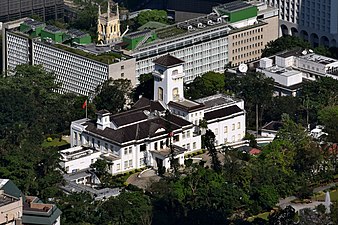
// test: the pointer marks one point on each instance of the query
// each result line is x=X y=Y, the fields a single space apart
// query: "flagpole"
x=86 y=109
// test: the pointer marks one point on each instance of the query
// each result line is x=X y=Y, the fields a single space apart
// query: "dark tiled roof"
x=147 y=104
x=293 y=52
x=142 y=102
x=102 y=111
x=128 y=117
x=168 y=60
x=187 y=107
x=273 y=125
x=137 y=112
x=222 y=112
x=138 y=131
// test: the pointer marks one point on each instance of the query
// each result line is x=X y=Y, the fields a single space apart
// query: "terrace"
x=106 y=57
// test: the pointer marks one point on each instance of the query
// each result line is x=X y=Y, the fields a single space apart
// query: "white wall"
x=224 y=132
x=80 y=163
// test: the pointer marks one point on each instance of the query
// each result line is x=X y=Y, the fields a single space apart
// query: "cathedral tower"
x=108 y=27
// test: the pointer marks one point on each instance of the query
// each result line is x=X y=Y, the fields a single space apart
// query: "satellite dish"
x=243 y=68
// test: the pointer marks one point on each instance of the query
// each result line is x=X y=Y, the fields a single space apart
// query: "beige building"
x=108 y=27
x=10 y=203
x=247 y=44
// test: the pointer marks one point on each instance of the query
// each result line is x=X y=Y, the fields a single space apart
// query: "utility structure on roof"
x=108 y=26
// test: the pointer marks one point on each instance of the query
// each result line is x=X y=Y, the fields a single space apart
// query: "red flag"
x=84 y=104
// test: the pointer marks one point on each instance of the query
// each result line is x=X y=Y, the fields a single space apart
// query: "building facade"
x=314 y=21
x=16 y=9
x=206 y=43
x=289 y=69
x=17 y=209
x=108 y=26
x=147 y=134
x=79 y=67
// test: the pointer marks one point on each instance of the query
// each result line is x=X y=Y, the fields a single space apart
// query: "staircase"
x=146 y=37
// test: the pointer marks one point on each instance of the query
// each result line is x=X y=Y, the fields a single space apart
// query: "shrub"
x=49 y=139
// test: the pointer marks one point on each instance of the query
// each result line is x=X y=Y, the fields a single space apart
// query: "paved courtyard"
x=145 y=179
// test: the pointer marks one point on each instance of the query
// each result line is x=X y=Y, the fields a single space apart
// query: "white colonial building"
x=147 y=134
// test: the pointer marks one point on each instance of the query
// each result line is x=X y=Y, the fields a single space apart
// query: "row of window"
x=233 y=127
x=255 y=45
x=241 y=56
x=187 y=146
x=248 y=40
x=244 y=34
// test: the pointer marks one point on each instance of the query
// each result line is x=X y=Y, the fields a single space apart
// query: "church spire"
x=108 y=10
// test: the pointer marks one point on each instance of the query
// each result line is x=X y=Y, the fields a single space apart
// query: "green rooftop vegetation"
x=169 y=32
x=107 y=58
x=152 y=25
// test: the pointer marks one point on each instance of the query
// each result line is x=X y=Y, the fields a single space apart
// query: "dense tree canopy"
x=145 y=87
x=329 y=118
x=31 y=110
x=113 y=95
x=152 y=15
x=205 y=85
x=290 y=42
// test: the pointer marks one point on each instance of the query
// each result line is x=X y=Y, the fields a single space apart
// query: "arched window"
x=176 y=95
x=160 y=94
x=175 y=72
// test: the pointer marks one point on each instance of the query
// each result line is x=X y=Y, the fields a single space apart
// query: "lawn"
x=54 y=143
x=333 y=195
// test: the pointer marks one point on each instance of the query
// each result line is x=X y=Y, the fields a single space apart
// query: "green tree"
x=284 y=43
x=206 y=85
x=329 y=118
x=286 y=216
x=257 y=92
x=209 y=139
x=145 y=87
x=307 y=154
x=152 y=15
x=77 y=208
x=100 y=167
x=113 y=95
x=129 y=208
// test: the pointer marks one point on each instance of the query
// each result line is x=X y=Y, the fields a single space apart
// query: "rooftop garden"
x=107 y=58
x=169 y=32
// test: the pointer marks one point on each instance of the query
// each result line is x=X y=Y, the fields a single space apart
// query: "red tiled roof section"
x=254 y=151
x=168 y=60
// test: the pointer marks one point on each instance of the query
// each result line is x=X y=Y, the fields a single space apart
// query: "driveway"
x=144 y=179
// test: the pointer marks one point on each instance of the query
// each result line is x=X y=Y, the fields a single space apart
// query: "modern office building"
x=16 y=9
x=234 y=33
x=79 y=65
x=315 y=21
x=289 y=69
x=147 y=136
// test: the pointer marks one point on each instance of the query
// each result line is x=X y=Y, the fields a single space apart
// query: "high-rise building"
x=233 y=34
x=16 y=9
x=79 y=65
x=313 y=20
